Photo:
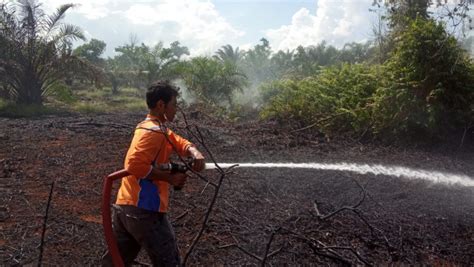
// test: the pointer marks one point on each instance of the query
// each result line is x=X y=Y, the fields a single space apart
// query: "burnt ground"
x=400 y=221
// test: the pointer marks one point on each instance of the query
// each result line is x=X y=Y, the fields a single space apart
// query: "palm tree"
x=35 y=49
x=256 y=63
x=282 y=63
x=213 y=81
x=227 y=54
x=158 y=63
x=143 y=64
x=356 y=52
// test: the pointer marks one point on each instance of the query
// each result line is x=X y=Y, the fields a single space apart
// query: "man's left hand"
x=199 y=163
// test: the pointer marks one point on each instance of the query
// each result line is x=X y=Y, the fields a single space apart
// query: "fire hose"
x=110 y=239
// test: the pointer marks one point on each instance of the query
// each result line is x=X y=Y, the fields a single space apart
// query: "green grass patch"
x=103 y=101
x=62 y=99
x=90 y=108
x=13 y=110
x=91 y=94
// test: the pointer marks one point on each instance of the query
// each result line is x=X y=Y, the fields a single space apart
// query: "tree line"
x=414 y=76
x=37 y=53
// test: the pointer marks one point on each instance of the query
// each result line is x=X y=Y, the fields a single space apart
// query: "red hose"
x=107 y=218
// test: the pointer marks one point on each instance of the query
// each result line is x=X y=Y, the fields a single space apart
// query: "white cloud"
x=336 y=22
x=194 y=22
x=245 y=46
x=91 y=9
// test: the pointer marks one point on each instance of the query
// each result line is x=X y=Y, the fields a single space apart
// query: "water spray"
x=375 y=169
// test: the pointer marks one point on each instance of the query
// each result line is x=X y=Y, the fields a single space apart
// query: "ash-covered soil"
x=399 y=221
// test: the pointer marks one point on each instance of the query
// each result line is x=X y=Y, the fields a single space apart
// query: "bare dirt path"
x=400 y=220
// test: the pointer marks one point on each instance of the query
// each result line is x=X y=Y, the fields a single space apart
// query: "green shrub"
x=424 y=89
x=430 y=84
x=62 y=93
x=337 y=100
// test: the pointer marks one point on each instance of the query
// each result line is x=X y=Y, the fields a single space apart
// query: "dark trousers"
x=135 y=228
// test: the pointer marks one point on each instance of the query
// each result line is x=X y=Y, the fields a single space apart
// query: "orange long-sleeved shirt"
x=149 y=146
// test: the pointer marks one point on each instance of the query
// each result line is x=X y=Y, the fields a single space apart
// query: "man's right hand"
x=178 y=179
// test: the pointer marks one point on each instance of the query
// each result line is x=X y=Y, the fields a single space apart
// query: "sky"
x=206 y=25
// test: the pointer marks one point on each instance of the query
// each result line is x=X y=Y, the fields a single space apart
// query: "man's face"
x=170 y=109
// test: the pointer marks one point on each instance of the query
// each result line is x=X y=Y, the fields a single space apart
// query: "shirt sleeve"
x=142 y=153
x=182 y=145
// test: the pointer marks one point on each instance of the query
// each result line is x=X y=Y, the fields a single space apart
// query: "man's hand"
x=199 y=162
x=177 y=179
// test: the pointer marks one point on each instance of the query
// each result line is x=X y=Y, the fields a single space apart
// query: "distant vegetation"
x=413 y=78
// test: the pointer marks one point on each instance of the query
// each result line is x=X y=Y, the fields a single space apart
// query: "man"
x=139 y=218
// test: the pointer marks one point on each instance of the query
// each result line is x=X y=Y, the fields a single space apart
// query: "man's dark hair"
x=160 y=90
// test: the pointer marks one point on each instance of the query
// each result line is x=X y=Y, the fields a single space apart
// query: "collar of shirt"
x=153 y=118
